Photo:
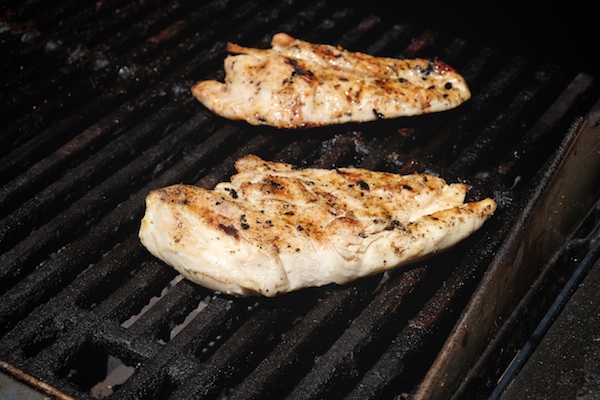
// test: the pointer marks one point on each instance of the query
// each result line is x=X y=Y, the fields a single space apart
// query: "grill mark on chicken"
x=230 y=230
x=289 y=228
x=297 y=84
x=299 y=70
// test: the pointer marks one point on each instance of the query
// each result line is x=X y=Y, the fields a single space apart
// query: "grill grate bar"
x=102 y=165
x=71 y=59
x=418 y=333
x=78 y=289
x=30 y=282
x=233 y=357
x=529 y=146
x=24 y=252
x=70 y=259
x=81 y=212
x=128 y=79
x=48 y=169
x=245 y=148
x=217 y=318
x=500 y=134
x=293 y=357
x=415 y=346
x=354 y=348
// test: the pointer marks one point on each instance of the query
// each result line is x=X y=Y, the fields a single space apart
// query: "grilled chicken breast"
x=297 y=84
x=275 y=229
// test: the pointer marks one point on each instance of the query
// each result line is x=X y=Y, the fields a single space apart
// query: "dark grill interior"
x=96 y=112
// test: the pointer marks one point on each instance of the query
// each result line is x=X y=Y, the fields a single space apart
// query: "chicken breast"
x=297 y=84
x=276 y=229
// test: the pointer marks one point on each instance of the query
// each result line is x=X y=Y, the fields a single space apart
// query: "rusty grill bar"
x=108 y=116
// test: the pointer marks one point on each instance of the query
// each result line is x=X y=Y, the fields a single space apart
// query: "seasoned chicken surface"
x=297 y=84
x=275 y=229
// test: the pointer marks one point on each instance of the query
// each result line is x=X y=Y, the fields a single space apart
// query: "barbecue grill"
x=97 y=111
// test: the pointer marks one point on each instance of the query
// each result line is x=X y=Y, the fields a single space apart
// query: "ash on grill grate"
x=100 y=113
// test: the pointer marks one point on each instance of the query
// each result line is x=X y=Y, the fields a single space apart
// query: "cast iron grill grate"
x=97 y=112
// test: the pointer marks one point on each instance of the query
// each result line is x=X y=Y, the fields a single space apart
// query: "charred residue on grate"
x=109 y=117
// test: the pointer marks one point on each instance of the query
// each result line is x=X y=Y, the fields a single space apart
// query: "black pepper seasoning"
x=232 y=193
x=363 y=185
